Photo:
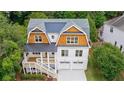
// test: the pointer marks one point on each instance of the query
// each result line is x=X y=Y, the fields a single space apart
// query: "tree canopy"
x=12 y=38
x=93 y=31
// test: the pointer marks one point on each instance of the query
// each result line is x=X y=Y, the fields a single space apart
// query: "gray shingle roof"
x=53 y=27
x=39 y=47
x=118 y=22
x=58 y=25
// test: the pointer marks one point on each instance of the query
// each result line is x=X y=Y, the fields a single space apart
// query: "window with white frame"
x=52 y=36
x=38 y=38
x=111 y=29
x=64 y=53
x=78 y=53
x=72 y=40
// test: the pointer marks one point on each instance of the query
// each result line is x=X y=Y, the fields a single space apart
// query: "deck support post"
x=25 y=57
x=55 y=62
x=30 y=68
x=41 y=57
x=48 y=62
x=35 y=69
x=23 y=69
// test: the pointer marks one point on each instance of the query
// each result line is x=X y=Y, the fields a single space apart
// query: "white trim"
x=48 y=62
x=38 y=32
x=35 y=69
x=30 y=68
x=47 y=37
x=33 y=30
x=23 y=69
x=25 y=57
x=55 y=61
x=41 y=57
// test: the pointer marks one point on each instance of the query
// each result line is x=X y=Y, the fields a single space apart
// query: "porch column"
x=41 y=57
x=30 y=68
x=35 y=69
x=48 y=61
x=25 y=57
x=55 y=61
x=71 y=65
x=23 y=69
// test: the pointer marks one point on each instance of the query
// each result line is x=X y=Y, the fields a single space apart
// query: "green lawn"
x=93 y=74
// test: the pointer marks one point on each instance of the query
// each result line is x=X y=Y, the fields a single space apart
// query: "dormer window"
x=38 y=39
x=72 y=40
x=111 y=29
x=52 y=36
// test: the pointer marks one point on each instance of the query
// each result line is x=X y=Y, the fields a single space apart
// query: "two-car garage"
x=71 y=71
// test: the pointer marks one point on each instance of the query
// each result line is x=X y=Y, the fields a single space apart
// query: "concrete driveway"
x=71 y=75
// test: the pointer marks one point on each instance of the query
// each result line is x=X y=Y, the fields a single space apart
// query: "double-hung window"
x=64 y=53
x=38 y=38
x=78 y=53
x=111 y=29
x=72 y=40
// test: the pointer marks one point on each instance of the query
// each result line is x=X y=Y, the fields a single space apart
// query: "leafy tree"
x=12 y=38
x=109 y=60
x=93 y=32
x=37 y=15
x=17 y=16
x=82 y=14
x=99 y=18
x=65 y=14
x=68 y=14
x=112 y=14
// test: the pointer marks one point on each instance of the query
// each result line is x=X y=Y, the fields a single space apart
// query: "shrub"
x=33 y=77
x=109 y=60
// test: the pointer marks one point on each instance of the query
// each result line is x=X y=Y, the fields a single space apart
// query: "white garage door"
x=77 y=65
x=71 y=75
x=64 y=65
x=71 y=65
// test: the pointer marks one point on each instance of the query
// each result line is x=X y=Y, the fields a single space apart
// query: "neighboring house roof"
x=58 y=25
x=40 y=47
x=117 y=22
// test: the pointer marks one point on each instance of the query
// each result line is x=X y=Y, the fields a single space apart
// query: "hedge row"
x=33 y=77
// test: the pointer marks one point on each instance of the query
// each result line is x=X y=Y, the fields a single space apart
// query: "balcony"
x=45 y=60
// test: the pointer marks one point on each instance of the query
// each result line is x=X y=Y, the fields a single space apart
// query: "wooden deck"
x=33 y=59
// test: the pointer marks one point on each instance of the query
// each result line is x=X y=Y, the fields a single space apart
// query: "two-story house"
x=57 y=47
x=113 y=32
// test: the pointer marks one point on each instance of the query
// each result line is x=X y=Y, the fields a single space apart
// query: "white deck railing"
x=42 y=67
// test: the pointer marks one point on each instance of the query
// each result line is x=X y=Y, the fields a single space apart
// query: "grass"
x=93 y=73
